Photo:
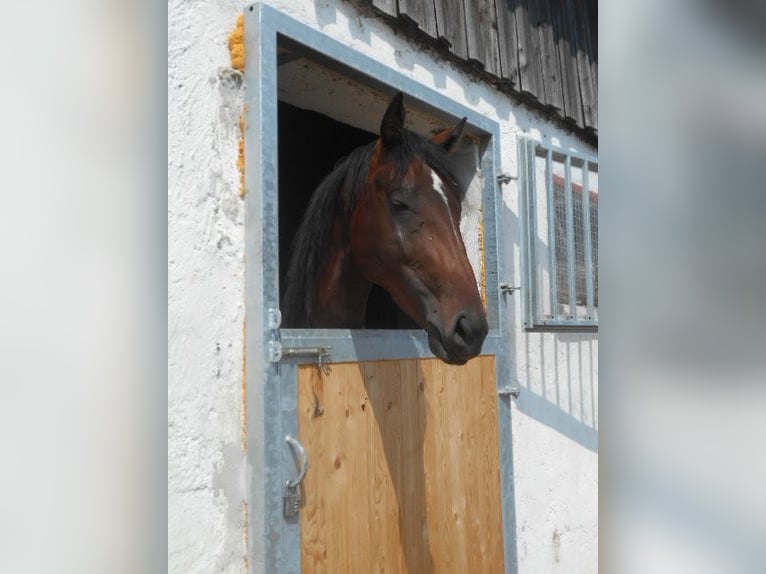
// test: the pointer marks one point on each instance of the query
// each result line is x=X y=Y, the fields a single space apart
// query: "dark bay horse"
x=389 y=215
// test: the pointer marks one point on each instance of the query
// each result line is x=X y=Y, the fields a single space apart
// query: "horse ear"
x=449 y=136
x=392 y=126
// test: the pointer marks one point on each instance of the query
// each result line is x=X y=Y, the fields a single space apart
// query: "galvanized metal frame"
x=551 y=225
x=587 y=237
x=569 y=210
x=533 y=319
x=274 y=542
x=527 y=279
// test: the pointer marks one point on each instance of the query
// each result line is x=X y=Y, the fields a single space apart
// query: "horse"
x=389 y=214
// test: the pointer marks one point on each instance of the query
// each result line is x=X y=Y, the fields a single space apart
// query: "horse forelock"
x=414 y=147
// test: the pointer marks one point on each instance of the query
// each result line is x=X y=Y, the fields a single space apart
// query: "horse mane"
x=341 y=187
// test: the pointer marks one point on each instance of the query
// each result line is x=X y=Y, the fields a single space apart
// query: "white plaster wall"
x=554 y=420
x=205 y=293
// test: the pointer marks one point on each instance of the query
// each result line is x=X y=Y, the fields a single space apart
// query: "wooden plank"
x=383 y=383
x=585 y=57
x=386 y=6
x=575 y=51
x=450 y=25
x=481 y=34
x=507 y=41
x=529 y=49
x=549 y=58
x=593 y=34
x=403 y=468
x=567 y=60
x=419 y=557
x=421 y=13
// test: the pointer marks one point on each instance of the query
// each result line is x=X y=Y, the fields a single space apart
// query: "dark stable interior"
x=310 y=144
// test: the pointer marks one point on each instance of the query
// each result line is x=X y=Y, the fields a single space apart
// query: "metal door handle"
x=300 y=453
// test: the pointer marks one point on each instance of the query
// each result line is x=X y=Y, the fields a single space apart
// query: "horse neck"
x=341 y=291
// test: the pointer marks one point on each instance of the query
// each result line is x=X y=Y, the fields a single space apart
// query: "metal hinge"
x=506 y=288
x=504 y=178
x=273 y=321
x=275 y=351
x=510 y=391
x=274 y=318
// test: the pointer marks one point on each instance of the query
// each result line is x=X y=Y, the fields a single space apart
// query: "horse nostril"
x=467 y=335
x=463 y=329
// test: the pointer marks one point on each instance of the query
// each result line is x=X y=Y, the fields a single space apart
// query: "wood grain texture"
x=544 y=49
x=403 y=468
x=421 y=13
x=481 y=34
x=549 y=58
x=563 y=20
x=508 y=41
x=450 y=25
x=530 y=69
x=586 y=56
x=386 y=6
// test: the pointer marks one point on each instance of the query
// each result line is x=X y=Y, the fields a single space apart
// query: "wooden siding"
x=403 y=468
x=546 y=51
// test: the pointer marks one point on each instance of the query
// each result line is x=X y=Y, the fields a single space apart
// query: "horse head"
x=404 y=234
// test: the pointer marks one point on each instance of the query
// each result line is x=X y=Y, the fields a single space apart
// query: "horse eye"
x=399 y=206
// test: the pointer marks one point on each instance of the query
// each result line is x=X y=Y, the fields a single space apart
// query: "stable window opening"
x=559 y=208
x=324 y=113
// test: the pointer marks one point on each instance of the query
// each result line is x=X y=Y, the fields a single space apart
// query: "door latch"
x=507 y=288
x=277 y=352
x=293 y=501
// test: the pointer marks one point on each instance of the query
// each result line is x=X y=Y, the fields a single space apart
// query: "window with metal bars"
x=559 y=243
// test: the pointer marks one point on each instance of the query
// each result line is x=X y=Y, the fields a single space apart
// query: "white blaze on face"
x=439 y=188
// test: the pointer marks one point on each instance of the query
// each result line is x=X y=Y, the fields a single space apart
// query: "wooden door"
x=403 y=468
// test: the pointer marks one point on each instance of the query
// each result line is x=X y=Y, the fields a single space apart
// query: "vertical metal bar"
x=587 y=238
x=523 y=238
x=570 y=235
x=263 y=421
x=503 y=370
x=534 y=291
x=554 y=288
x=490 y=198
x=288 y=410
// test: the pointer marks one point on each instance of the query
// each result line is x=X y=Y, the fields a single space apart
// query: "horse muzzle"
x=463 y=339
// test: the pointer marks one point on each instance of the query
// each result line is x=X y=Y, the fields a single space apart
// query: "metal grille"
x=559 y=209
